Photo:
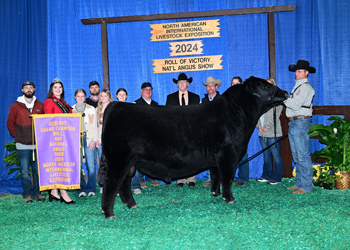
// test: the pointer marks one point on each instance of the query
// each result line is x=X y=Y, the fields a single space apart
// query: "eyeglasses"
x=28 y=87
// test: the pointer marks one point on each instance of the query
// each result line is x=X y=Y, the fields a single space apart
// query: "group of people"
x=298 y=111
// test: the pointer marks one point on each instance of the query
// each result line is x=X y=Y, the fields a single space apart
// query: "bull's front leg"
x=227 y=174
x=215 y=182
x=227 y=191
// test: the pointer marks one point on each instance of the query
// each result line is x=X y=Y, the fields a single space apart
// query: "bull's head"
x=268 y=94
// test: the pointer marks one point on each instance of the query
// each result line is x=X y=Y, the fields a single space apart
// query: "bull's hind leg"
x=215 y=182
x=115 y=177
x=110 y=190
x=125 y=190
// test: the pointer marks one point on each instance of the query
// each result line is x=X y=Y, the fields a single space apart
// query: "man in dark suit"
x=145 y=99
x=180 y=98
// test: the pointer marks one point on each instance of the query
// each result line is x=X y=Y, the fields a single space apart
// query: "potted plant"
x=336 y=137
x=12 y=159
x=324 y=176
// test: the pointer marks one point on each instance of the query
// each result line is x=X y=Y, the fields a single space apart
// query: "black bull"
x=170 y=142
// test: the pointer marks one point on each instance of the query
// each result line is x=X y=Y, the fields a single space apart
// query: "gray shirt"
x=268 y=123
x=300 y=102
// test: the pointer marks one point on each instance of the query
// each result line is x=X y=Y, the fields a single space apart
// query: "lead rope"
x=274 y=124
x=260 y=152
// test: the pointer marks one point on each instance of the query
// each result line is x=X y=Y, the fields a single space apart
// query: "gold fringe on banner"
x=59 y=186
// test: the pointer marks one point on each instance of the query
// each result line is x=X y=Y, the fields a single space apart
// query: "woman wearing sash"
x=89 y=138
x=55 y=104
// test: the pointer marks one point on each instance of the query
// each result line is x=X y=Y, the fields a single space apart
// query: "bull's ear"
x=251 y=82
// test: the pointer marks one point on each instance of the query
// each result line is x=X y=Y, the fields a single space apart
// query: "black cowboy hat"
x=301 y=64
x=182 y=77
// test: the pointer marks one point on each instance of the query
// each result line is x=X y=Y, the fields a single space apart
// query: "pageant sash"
x=58 y=150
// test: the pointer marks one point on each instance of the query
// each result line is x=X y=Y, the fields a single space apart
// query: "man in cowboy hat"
x=299 y=111
x=180 y=98
x=211 y=85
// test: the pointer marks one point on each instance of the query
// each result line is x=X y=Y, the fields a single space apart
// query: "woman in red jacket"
x=55 y=104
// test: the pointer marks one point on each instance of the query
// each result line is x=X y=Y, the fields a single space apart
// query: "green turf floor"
x=168 y=217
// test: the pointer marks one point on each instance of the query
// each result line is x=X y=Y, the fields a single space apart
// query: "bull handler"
x=299 y=111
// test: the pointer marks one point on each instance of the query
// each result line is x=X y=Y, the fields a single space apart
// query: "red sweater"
x=20 y=124
x=50 y=107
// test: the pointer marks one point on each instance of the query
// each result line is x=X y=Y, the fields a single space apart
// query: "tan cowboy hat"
x=211 y=80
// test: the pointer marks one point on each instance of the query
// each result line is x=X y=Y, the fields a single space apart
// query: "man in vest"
x=299 y=111
x=211 y=85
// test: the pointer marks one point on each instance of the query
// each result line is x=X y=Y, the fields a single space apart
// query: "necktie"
x=183 y=103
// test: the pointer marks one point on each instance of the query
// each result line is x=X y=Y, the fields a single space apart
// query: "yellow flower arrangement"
x=324 y=174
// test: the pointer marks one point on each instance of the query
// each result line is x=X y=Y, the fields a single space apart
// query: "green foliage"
x=12 y=159
x=337 y=138
x=324 y=174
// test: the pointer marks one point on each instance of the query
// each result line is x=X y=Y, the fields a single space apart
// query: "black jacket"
x=142 y=101
x=173 y=99
x=206 y=98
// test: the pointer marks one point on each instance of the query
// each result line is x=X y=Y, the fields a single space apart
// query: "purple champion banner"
x=58 y=150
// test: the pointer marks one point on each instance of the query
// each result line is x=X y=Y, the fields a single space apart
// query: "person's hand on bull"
x=98 y=144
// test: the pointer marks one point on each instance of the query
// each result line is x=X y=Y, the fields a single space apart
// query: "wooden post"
x=286 y=152
x=272 y=45
x=105 y=62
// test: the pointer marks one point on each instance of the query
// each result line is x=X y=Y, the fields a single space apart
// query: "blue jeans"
x=99 y=151
x=208 y=175
x=91 y=168
x=25 y=161
x=276 y=152
x=243 y=171
x=299 y=144
x=138 y=178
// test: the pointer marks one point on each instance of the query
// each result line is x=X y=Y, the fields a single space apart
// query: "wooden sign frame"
x=214 y=13
x=285 y=147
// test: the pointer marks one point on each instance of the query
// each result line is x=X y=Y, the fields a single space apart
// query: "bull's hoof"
x=111 y=217
x=216 y=194
x=134 y=207
x=229 y=202
x=102 y=212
